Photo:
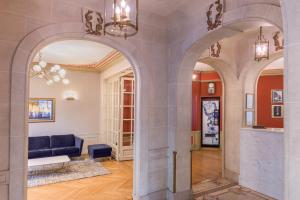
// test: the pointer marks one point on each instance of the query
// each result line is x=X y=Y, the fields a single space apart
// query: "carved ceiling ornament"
x=277 y=44
x=93 y=22
x=215 y=50
x=215 y=15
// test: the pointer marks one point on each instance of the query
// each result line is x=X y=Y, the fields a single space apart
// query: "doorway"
x=207 y=125
x=65 y=85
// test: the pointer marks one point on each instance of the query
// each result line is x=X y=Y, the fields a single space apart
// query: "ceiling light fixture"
x=121 y=18
x=52 y=74
x=261 y=47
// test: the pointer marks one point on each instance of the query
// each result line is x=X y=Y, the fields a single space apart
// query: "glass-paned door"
x=127 y=117
x=113 y=114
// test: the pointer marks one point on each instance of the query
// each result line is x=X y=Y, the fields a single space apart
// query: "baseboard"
x=184 y=195
x=230 y=175
x=157 y=195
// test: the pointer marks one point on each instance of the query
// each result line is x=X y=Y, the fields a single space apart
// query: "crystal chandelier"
x=51 y=73
x=121 y=18
x=261 y=47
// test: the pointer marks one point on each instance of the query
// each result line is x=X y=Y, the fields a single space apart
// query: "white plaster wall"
x=79 y=117
x=157 y=51
x=29 y=25
x=262 y=161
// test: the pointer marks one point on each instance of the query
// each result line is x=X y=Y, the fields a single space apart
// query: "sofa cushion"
x=69 y=151
x=39 y=153
x=36 y=143
x=59 y=141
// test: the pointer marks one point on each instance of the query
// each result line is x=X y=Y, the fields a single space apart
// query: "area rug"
x=71 y=171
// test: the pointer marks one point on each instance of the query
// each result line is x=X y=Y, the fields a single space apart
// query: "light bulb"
x=66 y=81
x=123 y=4
x=127 y=9
x=56 y=68
x=194 y=76
x=52 y=69
x=118 y=10
x=56 y=78
x=43 y=64
x=62 y=73
x=37 y=68
x=49 y=82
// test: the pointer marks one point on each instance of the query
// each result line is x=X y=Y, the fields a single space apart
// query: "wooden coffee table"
x=47 y=161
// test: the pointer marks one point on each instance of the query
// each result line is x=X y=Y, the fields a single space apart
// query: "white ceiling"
x=277 y=64
x=203 y=67
x=76 y=52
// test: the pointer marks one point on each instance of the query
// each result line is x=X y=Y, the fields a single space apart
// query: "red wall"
x=199 y=90
x=264 y=104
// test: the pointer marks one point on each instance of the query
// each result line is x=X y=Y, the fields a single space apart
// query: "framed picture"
x=277 y=96
x=249 y=101
x=210 y=120
x=41 y=110
x=249 y=118
x=277 y=111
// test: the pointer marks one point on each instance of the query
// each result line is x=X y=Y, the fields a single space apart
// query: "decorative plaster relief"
x=277 y=44
x=215 y=50
x=93 y=22
x=215 y=15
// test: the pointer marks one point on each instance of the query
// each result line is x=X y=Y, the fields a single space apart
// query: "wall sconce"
x=194 y=76
x=211 y=88
x=70 y=95
x=261 y=47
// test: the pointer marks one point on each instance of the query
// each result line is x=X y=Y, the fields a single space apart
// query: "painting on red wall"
x=277 y=111
x=277 y=96
x=210 y=122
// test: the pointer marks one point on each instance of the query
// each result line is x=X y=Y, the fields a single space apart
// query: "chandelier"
x=50 y=73
x=121 y=18
x=261 y=47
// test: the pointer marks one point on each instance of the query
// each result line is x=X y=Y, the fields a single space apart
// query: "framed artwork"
x=249 y=118
x=277 y=111
x=41 y=110
x=210 y=120
x=277 y=96
x=249 y=101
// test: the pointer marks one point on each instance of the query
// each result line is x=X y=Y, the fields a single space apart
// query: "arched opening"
x=19 y=100
x=238 y=41
x=81 y=121
x=269 y=95
x=207 y=124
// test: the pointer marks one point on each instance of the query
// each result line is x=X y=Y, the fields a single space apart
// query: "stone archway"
x=251 y=73
x=185 y=56
x=19 y=101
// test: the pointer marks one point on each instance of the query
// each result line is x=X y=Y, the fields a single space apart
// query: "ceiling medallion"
x=215 y=15
x=215 y=50
x=277 y=44
x=51 y=74
x=261 y=47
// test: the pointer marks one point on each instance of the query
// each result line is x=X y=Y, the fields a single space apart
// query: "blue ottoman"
x=99 y=151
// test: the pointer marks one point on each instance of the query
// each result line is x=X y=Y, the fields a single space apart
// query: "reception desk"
x=262 y=161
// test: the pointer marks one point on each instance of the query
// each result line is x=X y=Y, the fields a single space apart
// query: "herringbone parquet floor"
x=115 y=186
x=118 y=185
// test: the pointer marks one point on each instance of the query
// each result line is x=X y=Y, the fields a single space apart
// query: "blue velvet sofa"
x=55 y=145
